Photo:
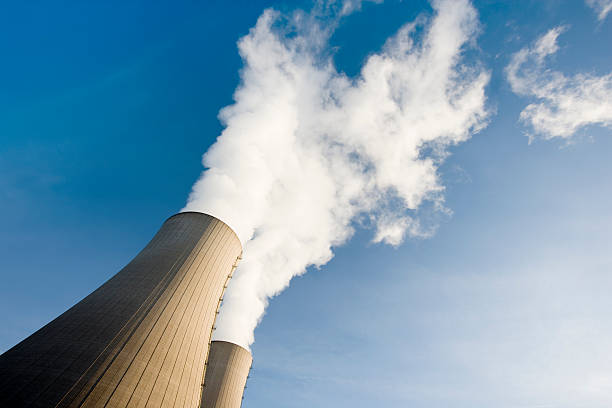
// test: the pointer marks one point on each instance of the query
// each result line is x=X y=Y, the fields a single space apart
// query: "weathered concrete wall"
x=141 y=339
x=226 y=375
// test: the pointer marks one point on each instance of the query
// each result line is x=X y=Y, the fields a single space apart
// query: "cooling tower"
x=140 y=339
x=227 y=370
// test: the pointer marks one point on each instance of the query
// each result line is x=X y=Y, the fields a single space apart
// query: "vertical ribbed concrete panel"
x=227 y=370
x=139 y=340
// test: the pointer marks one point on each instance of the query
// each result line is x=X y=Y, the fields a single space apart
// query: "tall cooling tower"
x=226 y=375
x=140 y=339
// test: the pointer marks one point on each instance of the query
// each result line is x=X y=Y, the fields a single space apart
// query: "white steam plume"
x=307 y=152
x=565 y=103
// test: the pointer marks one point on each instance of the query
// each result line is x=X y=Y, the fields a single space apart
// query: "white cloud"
x=306 y=151
x=564 y=104
x=601 y=7
x=350 y=6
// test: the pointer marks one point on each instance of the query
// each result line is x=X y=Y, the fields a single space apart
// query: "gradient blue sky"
x=107 y=107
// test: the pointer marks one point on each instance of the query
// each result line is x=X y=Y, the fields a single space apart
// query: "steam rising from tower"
x=307 y=152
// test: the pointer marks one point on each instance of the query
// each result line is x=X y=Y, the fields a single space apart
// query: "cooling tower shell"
x=227 y=371
x=139 y=340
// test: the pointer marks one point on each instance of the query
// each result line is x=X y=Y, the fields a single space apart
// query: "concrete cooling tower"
x=139 y=340
x=227 y=370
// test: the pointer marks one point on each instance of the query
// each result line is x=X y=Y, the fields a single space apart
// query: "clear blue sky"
x=107 y=107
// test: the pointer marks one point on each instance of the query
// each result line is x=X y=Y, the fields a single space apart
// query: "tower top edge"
x=209 y=216
x=232 y=344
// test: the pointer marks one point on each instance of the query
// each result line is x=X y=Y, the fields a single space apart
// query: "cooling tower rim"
x=233 y=344
x=208 y=215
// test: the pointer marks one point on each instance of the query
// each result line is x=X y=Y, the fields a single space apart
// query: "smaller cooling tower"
x=227 y=370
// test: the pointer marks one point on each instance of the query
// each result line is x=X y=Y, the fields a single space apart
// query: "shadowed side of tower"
x=227 y=370
x=141 y=339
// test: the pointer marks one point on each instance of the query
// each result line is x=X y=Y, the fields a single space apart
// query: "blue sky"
x=106 y=109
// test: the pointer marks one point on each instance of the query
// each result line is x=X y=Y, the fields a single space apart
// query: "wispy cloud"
x=564 y=104
x=601 y=7
x=307 y=151
x=350 y=6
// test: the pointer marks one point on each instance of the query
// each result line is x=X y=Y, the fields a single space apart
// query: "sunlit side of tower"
x=227 y=370
x=139 y=340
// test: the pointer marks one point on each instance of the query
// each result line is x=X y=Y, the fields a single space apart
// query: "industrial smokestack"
x=227 y=370
x=140 y=339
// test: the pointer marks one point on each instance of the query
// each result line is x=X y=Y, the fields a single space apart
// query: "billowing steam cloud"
x=307 y=152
